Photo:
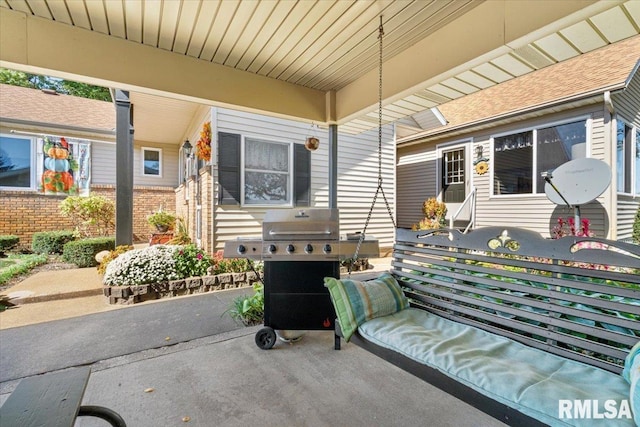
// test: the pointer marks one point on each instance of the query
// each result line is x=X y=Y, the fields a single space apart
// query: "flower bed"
x=165 y=271
x=191 y=285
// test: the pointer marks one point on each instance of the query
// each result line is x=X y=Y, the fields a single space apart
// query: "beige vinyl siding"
x=627 y=102
x=627 y=208
x=103 y=164
x=357 y=171
x=416 y=175
x=531 y=211
x=627 y=106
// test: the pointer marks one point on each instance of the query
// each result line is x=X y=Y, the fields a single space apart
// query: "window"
x=151 y=161
x=16 y=164
x=267 y=174
x=258 y=172
x=627 y=158
x=520 y=158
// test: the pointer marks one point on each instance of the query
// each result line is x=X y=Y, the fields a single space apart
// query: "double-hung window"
x=253 y=171
x=151 y=161
x=266 y=172
x=17 y=162
x=627 y=158
x=519 y=159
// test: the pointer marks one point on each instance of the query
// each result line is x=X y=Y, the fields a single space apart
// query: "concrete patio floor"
x=225 y=380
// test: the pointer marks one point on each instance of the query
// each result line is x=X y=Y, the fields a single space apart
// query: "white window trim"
x=534 y=129
x=290 y=201
x=635 y=192
x=467 y=143
x=34 y=156
x=159 y=150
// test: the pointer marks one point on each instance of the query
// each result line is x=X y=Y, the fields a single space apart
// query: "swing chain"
x=379 y=189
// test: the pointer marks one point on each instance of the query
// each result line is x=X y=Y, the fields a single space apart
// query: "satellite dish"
x=577 y=182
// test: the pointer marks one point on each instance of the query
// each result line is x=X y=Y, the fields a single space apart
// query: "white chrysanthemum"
x=154 y=264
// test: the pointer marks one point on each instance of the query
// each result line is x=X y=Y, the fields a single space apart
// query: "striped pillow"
x=356 y=302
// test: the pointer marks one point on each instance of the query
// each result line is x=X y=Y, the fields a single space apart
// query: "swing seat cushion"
x=356 y=302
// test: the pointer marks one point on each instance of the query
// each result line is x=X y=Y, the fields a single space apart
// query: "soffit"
x=331 y=45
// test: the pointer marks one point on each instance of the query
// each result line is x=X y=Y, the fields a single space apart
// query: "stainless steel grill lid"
x=299 y=235
x=301 y=224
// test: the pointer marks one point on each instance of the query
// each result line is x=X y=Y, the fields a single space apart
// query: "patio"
x=225 y=380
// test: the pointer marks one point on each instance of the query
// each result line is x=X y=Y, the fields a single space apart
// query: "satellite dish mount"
x=577 y=182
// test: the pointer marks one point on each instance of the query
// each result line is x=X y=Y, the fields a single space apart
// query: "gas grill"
x=299 y=249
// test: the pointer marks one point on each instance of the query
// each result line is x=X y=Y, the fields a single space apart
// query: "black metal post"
x=124 y=168
x=333 y=166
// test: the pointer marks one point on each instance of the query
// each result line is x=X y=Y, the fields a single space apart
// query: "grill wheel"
x=266 y=338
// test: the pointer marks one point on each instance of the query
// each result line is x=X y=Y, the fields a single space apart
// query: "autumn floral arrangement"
x=204 y=143
x=434 y=215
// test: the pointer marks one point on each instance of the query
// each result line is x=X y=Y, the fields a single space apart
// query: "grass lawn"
x=16 y=264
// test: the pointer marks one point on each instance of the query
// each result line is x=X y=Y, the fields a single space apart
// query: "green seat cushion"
x=529 y=380
x=356 y=302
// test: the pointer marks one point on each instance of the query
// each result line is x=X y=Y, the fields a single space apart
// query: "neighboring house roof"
x=34 y=106
x=593 y=73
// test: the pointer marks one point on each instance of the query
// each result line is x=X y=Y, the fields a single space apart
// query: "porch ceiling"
x=308 y=60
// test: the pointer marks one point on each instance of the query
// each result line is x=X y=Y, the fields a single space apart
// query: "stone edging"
x=191 y=285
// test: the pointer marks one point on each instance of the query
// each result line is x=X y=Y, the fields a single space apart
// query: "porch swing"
x=379 y=189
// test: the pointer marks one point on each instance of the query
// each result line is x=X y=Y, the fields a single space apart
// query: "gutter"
x=595 y=94
x=31 y=123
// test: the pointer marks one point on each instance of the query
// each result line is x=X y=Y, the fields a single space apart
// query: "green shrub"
x=51 y=242
x=249 y=309
x=636 y=227
x=93 y=211
x=191 y=261
x=83 y=252
x=19 y=264
x=8 y=242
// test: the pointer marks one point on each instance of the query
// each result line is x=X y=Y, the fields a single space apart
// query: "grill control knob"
x=327 y=249
x=242 y=249
x=291 y=249
x=308 y=249
x=272 y=248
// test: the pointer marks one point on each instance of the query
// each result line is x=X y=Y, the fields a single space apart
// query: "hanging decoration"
x=312 y=143
x=204 y=143
x=65 y=167
x=379 y=190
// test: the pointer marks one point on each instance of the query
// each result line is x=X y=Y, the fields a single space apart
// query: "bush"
x=8 y=242
x=636 y=227
x=20 y=264
x=191 y=261
x=83 y=252
x=51 y=242
x=231 y=265
x=119 y=250
x=249 y=309
x=434 y=215
x=87 y=212
x=154 y=264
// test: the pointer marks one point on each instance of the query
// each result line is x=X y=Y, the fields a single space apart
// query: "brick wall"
x=24 y=212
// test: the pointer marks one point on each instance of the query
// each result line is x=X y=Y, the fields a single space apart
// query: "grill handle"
x=299 y=233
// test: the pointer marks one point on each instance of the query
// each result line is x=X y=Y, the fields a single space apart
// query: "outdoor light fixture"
x=187 y=147
x=479 y=150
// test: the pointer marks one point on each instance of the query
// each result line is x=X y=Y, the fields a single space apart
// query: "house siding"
x=103 y=161
x=627 y=106
x=357 y=171
x=417 y=167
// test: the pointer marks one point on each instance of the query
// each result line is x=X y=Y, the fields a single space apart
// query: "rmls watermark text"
x=593 y=409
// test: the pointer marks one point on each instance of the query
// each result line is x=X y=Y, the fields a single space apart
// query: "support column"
x=124 y=168
x=333 y=166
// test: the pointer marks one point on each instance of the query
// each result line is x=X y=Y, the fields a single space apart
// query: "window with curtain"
x=267 y=172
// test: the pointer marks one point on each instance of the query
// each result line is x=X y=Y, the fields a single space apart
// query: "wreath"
x=204 y=143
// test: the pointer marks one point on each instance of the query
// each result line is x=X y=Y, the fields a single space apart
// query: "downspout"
x=213 y=176
x=611 y=199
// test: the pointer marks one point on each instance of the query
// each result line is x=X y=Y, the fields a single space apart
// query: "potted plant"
x=162 y=220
